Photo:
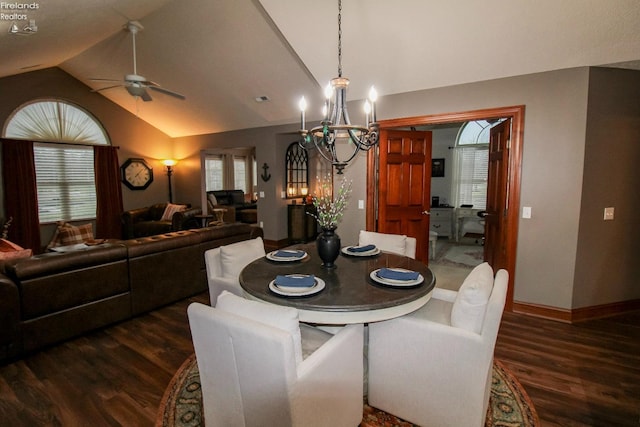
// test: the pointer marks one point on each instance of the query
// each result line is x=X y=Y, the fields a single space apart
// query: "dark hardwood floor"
x=576 y=375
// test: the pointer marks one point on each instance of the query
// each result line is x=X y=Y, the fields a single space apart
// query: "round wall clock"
x=136 y=174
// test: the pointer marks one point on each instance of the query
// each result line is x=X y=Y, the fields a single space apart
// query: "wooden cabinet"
x=441 y=221
x=302 y=227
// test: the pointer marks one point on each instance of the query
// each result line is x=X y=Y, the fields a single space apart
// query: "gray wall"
x=607 y=267
x=135 y=137
x=553 y=153
x=549 y=270
x=580 y=154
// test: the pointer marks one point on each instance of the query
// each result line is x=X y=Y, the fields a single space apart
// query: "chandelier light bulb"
x=373 y=94
x=328 y=91
x=303 y=107
x=367 y=111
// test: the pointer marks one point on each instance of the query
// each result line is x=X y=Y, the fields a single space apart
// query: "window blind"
x=66 y=182
x=214 y=173
x=240 y=173
x=473 y=171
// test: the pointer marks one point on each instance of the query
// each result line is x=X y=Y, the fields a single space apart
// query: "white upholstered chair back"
x=250 y=375
x=429 y=372
x=224 y=264
x=397 y=243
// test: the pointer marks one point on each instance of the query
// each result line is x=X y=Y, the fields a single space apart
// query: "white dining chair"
x=433 y=367
x=397 y=243
x=224 y=264
x=260 y=367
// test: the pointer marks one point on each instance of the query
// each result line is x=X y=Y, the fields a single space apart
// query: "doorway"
x=510 y=188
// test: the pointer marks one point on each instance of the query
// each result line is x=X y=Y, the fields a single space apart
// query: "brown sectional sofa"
x=146 y=221
x=52 y=297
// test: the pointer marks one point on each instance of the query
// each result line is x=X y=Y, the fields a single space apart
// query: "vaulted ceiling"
x=223 y=54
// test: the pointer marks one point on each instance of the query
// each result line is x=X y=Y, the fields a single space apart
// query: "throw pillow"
x=236 y=256
x=385 y=242
x=470 y=304
x=67 y=234
x=9 y=250
x=283 y=318
x=170 y=210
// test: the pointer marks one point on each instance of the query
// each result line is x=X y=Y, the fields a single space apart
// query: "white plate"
x=272 y=257
x=297 y=291
x=392 y=282
x=372 y=252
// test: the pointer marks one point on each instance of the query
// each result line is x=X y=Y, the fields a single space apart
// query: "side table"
x=204 y=219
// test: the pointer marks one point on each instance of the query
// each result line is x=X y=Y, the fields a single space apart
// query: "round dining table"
x=349 y=295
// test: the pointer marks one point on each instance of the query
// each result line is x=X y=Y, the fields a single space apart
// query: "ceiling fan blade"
x=145 y=96
x=105 y=88
x=167 y=92
x=104 y=80
x=138 y=90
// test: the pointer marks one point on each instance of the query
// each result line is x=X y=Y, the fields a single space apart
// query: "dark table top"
x=350 y=295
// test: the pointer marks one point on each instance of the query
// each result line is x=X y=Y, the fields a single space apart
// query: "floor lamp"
x=169 y=163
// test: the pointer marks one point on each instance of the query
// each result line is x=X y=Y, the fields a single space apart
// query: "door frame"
x=516 y=113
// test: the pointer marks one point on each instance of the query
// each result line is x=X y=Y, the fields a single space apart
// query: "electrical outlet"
x=526 y=212
x=608 y=214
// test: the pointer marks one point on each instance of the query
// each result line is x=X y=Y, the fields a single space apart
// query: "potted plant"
x=328 y=212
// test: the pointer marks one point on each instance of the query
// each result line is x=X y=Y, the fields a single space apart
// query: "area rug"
x=509 y=404
x=459 y=255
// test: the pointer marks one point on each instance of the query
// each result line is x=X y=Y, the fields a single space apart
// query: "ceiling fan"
x=136 y=84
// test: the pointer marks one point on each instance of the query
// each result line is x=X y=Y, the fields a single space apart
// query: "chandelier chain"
x=336 y=126
x=339 y=38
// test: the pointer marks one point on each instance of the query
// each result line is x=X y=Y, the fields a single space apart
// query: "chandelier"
x=336 y=126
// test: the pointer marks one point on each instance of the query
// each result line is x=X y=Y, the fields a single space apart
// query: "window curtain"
x=108 y=192
x=20 y=193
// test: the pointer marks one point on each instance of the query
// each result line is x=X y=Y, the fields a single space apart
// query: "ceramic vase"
x=328 y=244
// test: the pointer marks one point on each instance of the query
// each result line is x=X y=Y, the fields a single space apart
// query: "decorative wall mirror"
x=297 y=171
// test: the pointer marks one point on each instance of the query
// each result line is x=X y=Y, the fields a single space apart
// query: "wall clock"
x=136 y=174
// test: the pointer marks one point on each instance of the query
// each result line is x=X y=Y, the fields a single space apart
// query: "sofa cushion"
x=471 y=302
x=67 y=234
x=283 y=318
x=170 y=210
x=236 y=256
x=9 y=250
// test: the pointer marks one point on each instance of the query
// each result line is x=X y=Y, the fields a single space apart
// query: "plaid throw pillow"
x=170 y=210
x=67 y=234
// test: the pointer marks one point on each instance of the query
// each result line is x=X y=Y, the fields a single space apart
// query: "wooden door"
x=404 y=186
x=495 y=248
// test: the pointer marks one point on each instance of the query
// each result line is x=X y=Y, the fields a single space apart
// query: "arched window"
x=63 y=136
x=471 y=161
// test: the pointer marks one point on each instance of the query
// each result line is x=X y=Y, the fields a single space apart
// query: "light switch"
x=262 y=194
x=360 y=204
x=608 y=214
x=526 y=212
